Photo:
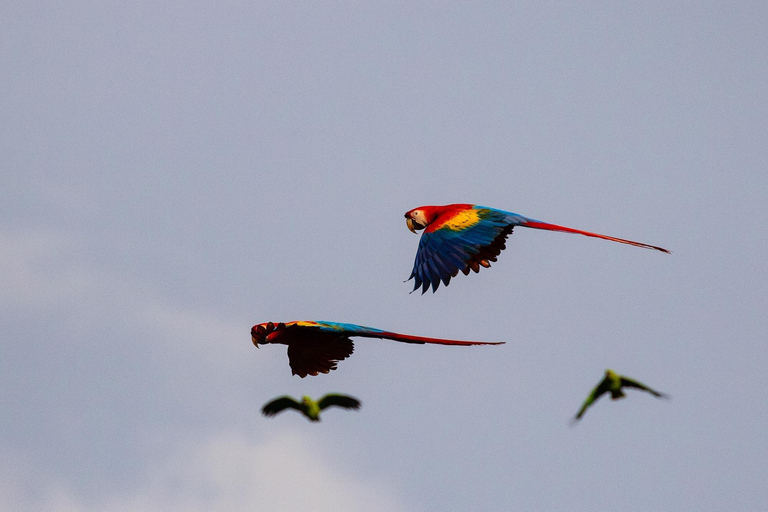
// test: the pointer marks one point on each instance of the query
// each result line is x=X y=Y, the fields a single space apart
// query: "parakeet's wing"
x=460 y=240
x=345 y=401
x=596 y=393
x=280 y=404
x=627 y=382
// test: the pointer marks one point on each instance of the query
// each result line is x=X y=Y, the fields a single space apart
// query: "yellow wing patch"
x=462 y=220
x=311 y=323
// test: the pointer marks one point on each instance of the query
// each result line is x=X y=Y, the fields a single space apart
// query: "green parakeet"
x=613 y=383
x=308 y=407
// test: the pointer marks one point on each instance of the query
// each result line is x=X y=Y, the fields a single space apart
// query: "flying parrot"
x=613 y=383
x=308 y=407
x=464 y=237
x=316 y=347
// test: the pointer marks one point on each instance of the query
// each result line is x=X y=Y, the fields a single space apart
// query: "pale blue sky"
x=173 y=174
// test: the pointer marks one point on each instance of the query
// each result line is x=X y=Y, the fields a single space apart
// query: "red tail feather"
x=554 y=227
x=407 y=338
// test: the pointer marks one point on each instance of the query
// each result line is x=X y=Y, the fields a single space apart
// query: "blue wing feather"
x=444 y=252
x=347 y=329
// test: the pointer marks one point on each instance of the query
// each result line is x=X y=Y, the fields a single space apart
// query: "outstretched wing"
x=370 y=332
x=345 y=401
x=280 y=404
x=600 y=389
x=318 y=352
x=627 y=382
x=459 y=240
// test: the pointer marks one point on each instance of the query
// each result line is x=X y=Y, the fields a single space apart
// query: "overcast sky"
x=173 y=173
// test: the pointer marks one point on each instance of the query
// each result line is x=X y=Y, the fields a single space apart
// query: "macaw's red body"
x=316 y=347
x=464 y=237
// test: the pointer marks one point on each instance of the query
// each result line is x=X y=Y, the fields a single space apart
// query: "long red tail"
x=407 y=338
x=554 y=227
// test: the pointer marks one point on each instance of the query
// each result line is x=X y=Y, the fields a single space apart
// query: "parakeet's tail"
x=616 y=394
x=535 y=224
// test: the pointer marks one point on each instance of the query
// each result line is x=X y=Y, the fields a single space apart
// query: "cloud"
x=222 y=470
x=227 y=472
x=42 y=270
x=37 y=270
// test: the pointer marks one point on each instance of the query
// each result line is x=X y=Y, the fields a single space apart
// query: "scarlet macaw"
x=466 y=236
x=308 y=407
x=316 y=347
x=613 y=382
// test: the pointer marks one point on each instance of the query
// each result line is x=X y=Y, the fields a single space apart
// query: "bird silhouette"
x=613 y=383
x=308 y=407
x=316 y=347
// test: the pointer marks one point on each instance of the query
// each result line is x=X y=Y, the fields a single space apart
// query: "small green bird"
x=308 y=407
x=613 y=382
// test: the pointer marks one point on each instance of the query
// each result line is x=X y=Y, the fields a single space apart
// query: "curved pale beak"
x=258 y=334
x=410 y=224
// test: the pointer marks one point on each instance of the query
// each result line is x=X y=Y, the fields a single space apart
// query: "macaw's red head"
x=417 y=219
x=423 y=216
x=260 y=332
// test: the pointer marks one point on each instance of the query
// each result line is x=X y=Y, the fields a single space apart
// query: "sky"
x=172 y=174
